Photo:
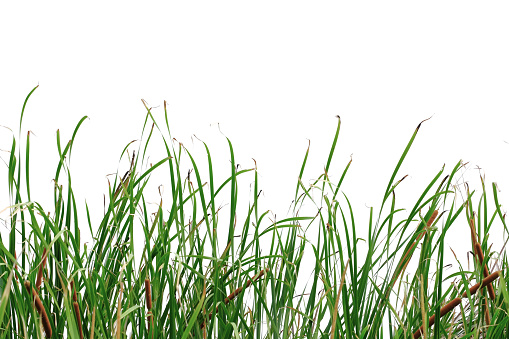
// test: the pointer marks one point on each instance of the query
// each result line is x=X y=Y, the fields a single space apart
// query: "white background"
x=273 y=75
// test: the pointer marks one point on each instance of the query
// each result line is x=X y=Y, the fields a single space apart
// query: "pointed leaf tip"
x=419 y=126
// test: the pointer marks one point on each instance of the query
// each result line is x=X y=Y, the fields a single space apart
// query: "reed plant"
x=201 y=274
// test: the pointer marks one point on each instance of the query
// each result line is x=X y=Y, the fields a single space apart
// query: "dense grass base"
x=201 y=276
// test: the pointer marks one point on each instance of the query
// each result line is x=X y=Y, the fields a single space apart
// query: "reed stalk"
x=78 y=318
x=41 y=269
x=40 y=309
x=456 y=301
x=238 y=291
x=403 y=263
x=148 y=301
x=480 y=257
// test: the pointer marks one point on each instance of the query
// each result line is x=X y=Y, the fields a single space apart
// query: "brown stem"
x=78 y=317
x=148 y=294
x=92 y=327
x=409 y=253
x=489 y=279
x=480 y=257
x=38 y=282
x=40 y=309
x=455 y=302
x=148 y=298
x=74 y=295
x=473 y=234
x=237 y=291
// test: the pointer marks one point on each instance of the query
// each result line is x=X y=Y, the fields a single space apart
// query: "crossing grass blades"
x=203 y=273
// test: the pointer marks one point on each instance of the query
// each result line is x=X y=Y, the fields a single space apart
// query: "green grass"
x=213 y=275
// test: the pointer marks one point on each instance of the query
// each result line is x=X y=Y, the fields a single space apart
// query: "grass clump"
x=200 y=275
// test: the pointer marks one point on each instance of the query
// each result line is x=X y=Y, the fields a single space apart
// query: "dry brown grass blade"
x=123 y=184
x=423 y=310
x=119 y=308
x=125 y=179
x=335 y=315
x=16 y=266
x=443 y=311
x=92 y=327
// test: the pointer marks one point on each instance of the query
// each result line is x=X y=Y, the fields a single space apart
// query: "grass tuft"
x=205 y=261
